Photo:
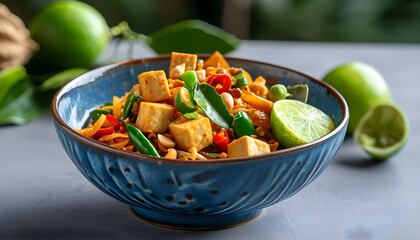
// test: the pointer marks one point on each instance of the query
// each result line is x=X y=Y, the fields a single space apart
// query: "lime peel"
x=382 y=131
x=361 y=85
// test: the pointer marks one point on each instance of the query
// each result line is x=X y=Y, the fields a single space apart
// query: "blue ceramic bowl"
x=193 y=194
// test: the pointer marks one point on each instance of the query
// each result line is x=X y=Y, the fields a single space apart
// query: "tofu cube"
x=190 y=60
x=247 y=146
x=189 y=133
x=153 y=86
x=154 y=117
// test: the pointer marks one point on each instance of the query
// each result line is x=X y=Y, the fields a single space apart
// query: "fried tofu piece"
x=188 y=133
x=154 y=86
x=190 y=60
x=154 y=117
x=247 y=146
x=216 y=60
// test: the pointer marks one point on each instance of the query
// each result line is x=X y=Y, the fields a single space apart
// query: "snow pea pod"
x=140 y=141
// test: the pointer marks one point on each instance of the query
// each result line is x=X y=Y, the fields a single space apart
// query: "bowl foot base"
x=195 y=222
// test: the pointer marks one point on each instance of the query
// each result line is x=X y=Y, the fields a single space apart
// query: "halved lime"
x=294 y=122
x=382 y=131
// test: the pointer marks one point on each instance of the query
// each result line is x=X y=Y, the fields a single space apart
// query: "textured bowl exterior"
x=192 y=194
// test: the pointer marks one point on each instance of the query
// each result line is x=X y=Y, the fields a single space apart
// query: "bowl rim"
x=76 y=82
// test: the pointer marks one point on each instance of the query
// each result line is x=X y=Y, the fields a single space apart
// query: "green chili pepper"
x=184 y=101
x=138 y=139
x=242 y=125
x=95 y=114
x=241 y=80
x=131 y=99
x=190 y=79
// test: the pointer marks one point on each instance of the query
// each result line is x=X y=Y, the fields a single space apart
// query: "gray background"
x=43 y=196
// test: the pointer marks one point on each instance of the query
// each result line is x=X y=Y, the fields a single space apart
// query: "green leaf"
x=192 y=36
x=25 y=108
x=13 y=82
x=21 y=101
x=213 y=106
x=60 y=79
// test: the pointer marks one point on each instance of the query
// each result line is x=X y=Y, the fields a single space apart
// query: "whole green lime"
x=361 y=85
x=70 y=34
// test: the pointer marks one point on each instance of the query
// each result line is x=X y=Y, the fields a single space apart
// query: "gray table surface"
x=43 y=196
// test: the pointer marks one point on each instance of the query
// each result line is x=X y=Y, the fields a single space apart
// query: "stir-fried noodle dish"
x=197 y=109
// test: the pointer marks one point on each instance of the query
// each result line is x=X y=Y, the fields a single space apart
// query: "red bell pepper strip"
x=116 y=123
x=221 y=82
x=113 y=120
x=221 y=140
x=103 y=131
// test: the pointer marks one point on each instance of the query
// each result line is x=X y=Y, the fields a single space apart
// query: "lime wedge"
x=382 y=131
x=294 y=122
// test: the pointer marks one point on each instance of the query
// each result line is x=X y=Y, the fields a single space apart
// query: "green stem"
x=123 y=30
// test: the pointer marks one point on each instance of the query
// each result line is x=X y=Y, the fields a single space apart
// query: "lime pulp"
x=294 y=122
